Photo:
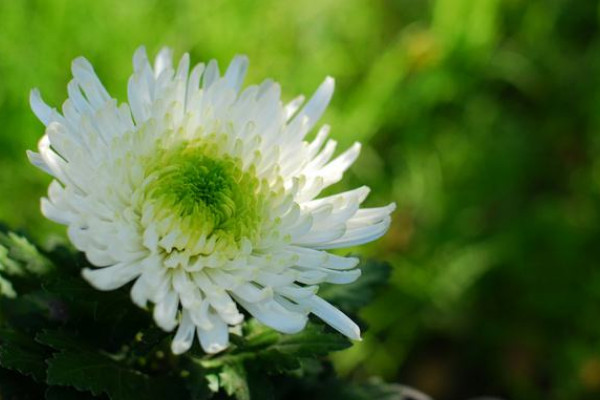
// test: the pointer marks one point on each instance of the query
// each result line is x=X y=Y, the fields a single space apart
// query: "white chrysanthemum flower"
x=205 y=196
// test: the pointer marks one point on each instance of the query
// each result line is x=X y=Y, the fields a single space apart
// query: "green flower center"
x=205 y=196
x=196 y=183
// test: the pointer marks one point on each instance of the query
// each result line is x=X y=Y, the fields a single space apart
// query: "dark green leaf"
x=83 y=297
x=96 y=373
x=82 y=367
x=149 y=341
x=260 y=385
x=60 y=340
x=109 y=319
x=19 y=352
x=259 y=336
x=374 y=389
x=278 y=352
x=62 y=393
x=99 y=373
x=16 y=386
x=350 y=298
x=197 y=380
x=310 y=342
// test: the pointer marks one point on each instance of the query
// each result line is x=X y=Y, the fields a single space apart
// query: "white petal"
x=342 y=277
x=272 y=314
x=236 y=72
x=290 y=305
x=78 y=99
x=184 y=337
x=333 y=317
x=314 y=109
x=193 y=86
x=199 y=315
x=317 y=239
x=89 y=82
x=165 y=312
x=36 y=159
x=113 y=277
x=250 y=293
x=357 y=236
x=297 y=292
x=369 y=216
x=336 y=168
x=293 y=106
x=100 y=257
x=53 y=213
x=164 y=61
x=274 y=279
x=183 y=68
x=218 y=299
x=40 y=109
x=52 y=160
x=215 y=339
x=307 y=257
x=316 y=144
x=140 y=59
x=311 y=277
x=210 y=75
x=323 y=157
x=140 y=293
x=357 y=195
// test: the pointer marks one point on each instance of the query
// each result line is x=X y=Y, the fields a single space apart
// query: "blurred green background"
x=480 y=118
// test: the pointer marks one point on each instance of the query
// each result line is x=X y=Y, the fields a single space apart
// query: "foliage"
x=479 y=118
x=61 y=338
x=18 y=258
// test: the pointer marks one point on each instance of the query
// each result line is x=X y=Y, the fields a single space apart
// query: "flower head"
x=205 y=196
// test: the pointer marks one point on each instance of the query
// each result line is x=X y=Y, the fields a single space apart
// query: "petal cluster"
x=205 y=196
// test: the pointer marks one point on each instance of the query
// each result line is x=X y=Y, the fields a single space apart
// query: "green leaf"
x=149 y=340
x=83 y=297
x=18 y=352
x=351 y=297
x=262 y=351
x=311 y=342
x=213 y=382
x=99 y=373
x=200 y=384
x=374 y=389
x=287 y=353
x=6 y=288
x=19 y=387
x=86 y=369
x=21 y=256
x=7 y=264
x=258 y=336
x=260 y=385
x=62 y=393
x=278 y=352
x=88 y=309
x=30 y=311
x=60 y=340
x=232 y=379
